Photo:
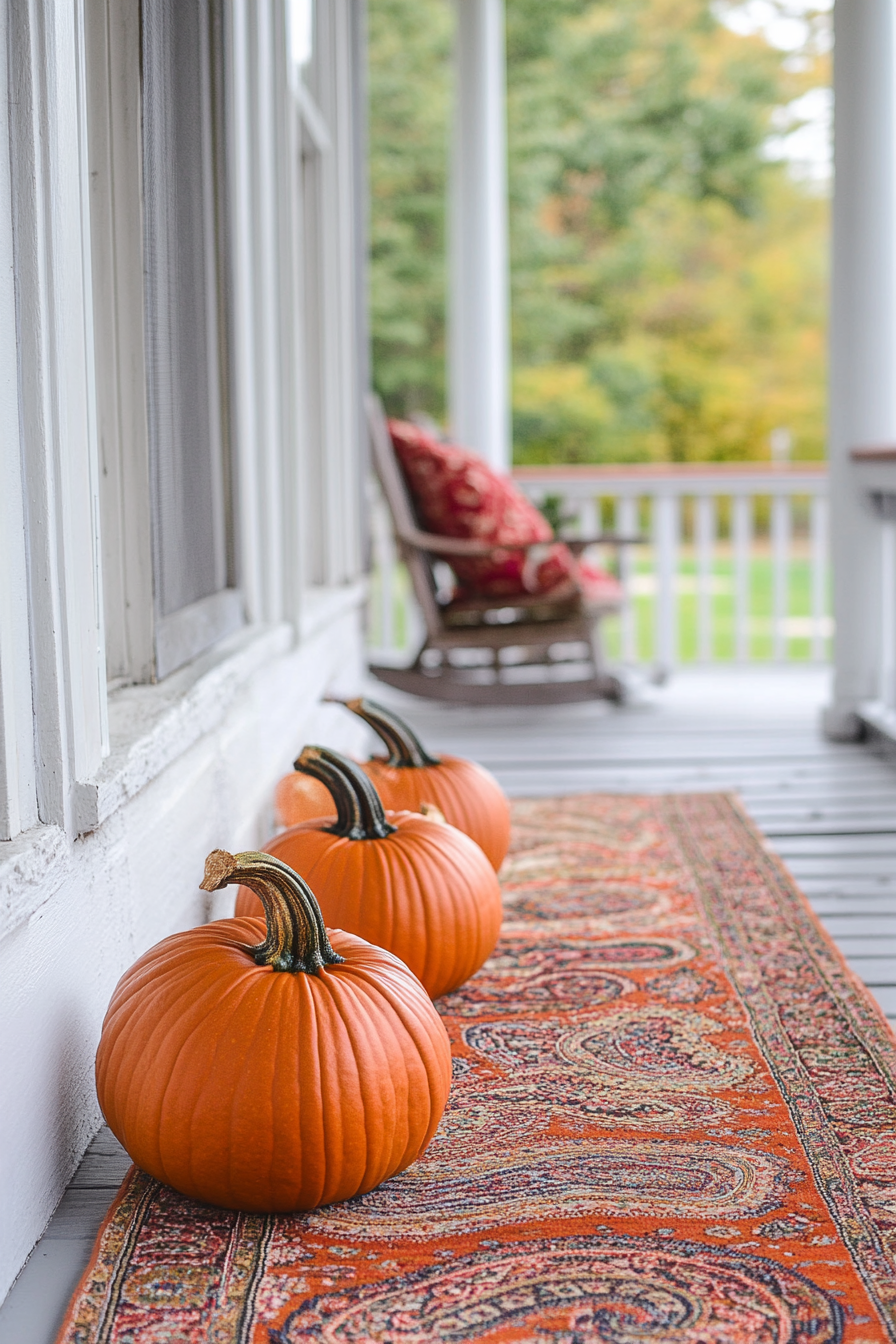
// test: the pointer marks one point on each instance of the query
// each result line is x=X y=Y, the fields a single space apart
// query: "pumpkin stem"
x=405 y=748
x=359 y=811
x=296 y=938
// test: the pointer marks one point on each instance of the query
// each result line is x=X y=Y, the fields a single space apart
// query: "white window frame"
x=53 y=500
x=18 y=785
x=142 y=644
x=325 y=95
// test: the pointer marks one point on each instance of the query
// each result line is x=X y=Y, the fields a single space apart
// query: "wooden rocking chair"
x=461 y=656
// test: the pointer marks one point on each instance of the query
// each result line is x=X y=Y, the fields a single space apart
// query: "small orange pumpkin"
x=470 y=798
x=271 y=1076
x=414 y=885
x=300 y=797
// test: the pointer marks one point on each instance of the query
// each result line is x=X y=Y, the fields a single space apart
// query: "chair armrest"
x=464 y=547
x=457 y=546
x=579 y=544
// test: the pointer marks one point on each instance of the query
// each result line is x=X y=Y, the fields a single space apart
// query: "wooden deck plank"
x=881 y=885
x=875 y=972
x=839 y=904
x=33 y=1311
x=877 y=925
x=869 y=945
x=886 y=998
x=870 y=844
x=654 y=775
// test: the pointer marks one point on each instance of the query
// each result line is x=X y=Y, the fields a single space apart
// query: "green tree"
x=409 y=91
x=667 y=280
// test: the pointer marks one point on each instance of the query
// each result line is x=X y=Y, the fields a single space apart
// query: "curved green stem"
x=296 y=938
x=359 y=811
x=405 y=748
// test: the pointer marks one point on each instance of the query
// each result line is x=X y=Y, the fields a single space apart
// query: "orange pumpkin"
x=470 y=798
x=271 y=1076
x=299 y=797
x=411 y=884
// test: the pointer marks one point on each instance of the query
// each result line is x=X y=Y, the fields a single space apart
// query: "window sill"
x=33 y=867
x=321 y=606
x=151 y=726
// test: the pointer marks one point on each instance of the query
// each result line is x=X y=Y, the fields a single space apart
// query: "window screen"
x=192 y=534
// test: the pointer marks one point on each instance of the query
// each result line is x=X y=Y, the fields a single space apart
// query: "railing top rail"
x=670 y=470
x=686 y=478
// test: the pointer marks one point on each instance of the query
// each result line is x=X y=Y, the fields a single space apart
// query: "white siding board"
x=49 y=188
x=18 y=790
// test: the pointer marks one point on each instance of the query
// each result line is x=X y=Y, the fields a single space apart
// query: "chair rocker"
x=490 y=651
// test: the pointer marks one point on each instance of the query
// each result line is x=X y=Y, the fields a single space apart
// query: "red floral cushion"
x=456 y=494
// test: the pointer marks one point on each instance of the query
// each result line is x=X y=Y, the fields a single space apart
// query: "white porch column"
x=863 y=334
x=478 y=296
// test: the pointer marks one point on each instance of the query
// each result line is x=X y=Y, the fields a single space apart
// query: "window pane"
x=183 y=311
x=301 y=31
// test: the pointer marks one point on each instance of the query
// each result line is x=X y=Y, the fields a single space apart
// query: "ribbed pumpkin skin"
x=298 y=798
x=425 y=892
x=267 y=1091
x=469 y=797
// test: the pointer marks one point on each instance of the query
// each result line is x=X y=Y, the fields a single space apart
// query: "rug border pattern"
x=725 y=918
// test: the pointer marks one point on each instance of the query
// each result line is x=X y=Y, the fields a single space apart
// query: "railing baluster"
x=781 y=526
x=666 y=517
x=819 y=531
x=384 y=550
x=589 y=519
x=705 y=530
x=742 y=536
x=625 y=515
x=414 y=625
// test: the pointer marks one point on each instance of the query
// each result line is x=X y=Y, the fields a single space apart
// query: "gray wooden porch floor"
x=829 y=811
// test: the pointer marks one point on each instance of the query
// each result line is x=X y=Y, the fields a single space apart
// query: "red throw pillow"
x=456 y=494
x=597 y=587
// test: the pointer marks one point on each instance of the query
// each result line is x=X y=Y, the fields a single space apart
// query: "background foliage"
x=668 y=280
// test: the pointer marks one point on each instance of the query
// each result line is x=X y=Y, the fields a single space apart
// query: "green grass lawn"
x=760 y=645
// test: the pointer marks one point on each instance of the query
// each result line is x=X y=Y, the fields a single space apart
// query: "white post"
x=863 y=335
x=478 y=300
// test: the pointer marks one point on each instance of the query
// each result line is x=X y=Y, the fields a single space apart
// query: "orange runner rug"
x=673 y=1119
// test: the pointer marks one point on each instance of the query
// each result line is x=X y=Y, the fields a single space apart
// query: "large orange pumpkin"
x=416 y=886
x=469 y=797
x=271 y=1076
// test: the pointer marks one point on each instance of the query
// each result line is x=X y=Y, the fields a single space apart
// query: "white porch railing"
x=733 y=567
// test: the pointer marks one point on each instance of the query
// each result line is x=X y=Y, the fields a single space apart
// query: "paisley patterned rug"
x=673 y=1120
